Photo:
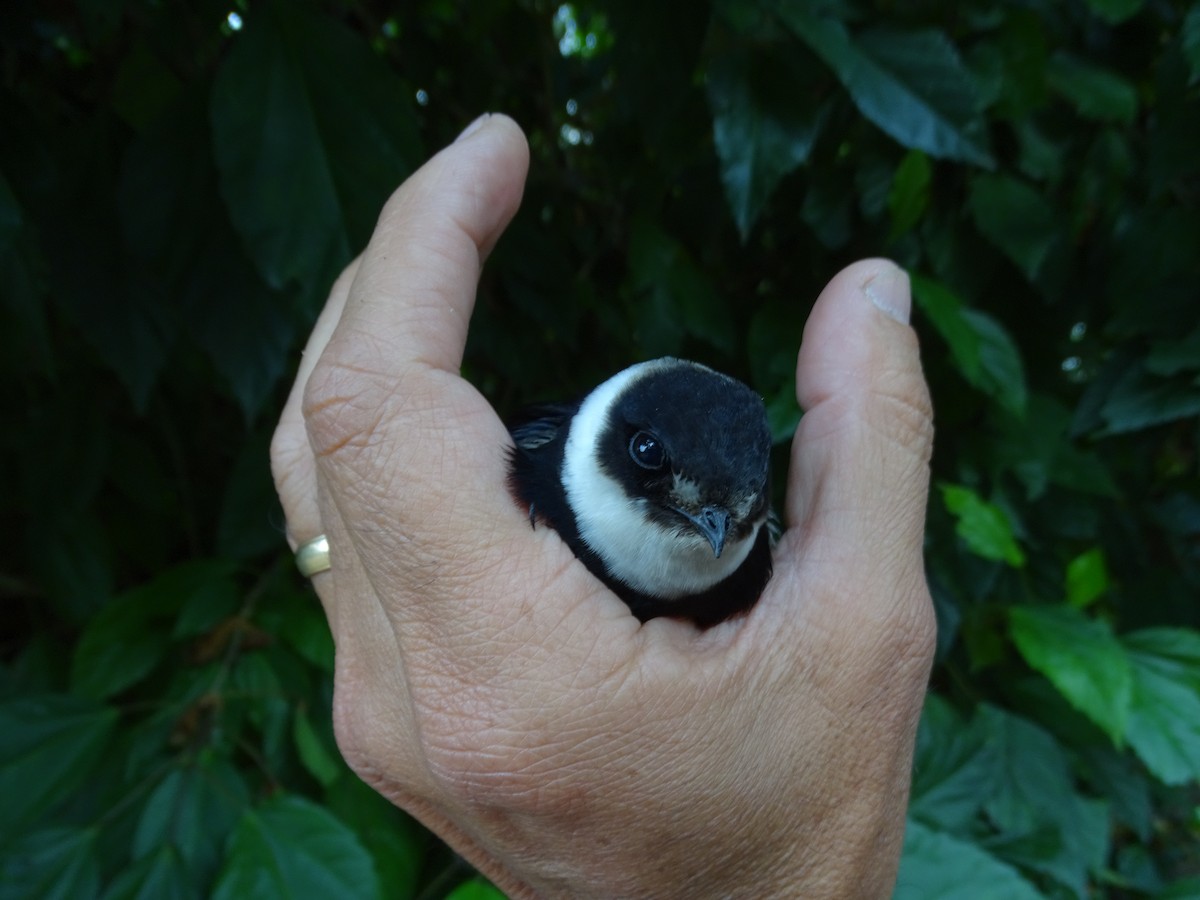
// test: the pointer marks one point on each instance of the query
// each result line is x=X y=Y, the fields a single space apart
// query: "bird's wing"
x=541 y=424
x=775 y=527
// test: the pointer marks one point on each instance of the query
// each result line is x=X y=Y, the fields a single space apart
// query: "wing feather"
x=542 y=425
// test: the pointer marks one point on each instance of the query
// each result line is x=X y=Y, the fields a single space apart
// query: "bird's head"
x=667 y=472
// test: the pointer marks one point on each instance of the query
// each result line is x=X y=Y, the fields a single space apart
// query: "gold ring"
x=312 y=557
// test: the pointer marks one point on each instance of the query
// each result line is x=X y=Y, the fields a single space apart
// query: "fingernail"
x=890 y=292
x=473 y=127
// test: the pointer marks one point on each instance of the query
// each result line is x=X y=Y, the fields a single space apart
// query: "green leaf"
x=911 y=84
x=1038 y=449
x=1011 y=67
x=175 y=226
x=1069 y=847
x=307 y=632
x=1094 y=92
x=206 y=607
x=1060 y=833
x=323 y=764
x=476 y=889
x=955 y=768
x=1115 y=11
x=122 y=318
x=946 y=311
x=73 y=562
x=762 y=128
x=312 y=131
x=1140 y=400
x=1042 y=157
x=144 y=86
x=771 y=349
x=1164 y=722
x=119 y=647
x=1190 y=36
x=676 y=297
x=1171 y=357
x=258 y=685
x=984 y=526
x=1121 y=778
x=982 y=350
x=245 y=330
x=828 y=209
x=1087 y=578
x=160 y=876
x=1035 y=778
x=1016 y=218
x=1002 y=374
x=1185 y=889
x=872 y=182
x=54 y=864
x=167 y=193
x=909 y=194
x=249 y=508
x=1082 y=658
x=1153 y=265
x=292 y=848
x=191 y=812
x=397 y=843
x=25 y=337
x=940 y=866
x=783 y=413
x=48 y=746
x=100 y=19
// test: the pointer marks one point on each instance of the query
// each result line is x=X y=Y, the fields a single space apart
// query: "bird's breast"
x=652 y=558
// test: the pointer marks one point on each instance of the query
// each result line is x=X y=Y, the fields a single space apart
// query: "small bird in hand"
x=659 y=482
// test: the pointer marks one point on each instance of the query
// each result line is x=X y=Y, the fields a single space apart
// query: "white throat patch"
x=637 y=550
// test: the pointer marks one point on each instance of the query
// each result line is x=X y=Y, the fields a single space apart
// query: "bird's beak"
x=712 y=522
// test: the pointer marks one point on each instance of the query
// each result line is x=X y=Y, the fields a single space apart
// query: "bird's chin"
x=694 y=540
x=695 y=567
x=694 y=544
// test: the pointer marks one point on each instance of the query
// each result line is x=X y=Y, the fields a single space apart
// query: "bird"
x=658 y=480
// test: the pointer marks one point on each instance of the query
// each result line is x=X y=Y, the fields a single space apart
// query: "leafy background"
x=180 y=183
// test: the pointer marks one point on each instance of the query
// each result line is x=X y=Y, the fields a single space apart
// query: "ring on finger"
x=312 y=557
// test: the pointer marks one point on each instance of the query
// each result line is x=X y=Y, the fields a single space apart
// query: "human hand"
x=490 y=686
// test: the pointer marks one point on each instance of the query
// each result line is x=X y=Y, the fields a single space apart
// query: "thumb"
x=859 y=476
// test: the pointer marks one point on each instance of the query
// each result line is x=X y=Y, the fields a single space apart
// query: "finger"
x=409 y=455
x=292 y=463
x=404 y=325
x=419 y=273
x=859 y=474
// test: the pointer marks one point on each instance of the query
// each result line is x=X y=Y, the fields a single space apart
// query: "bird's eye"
x=646 y=450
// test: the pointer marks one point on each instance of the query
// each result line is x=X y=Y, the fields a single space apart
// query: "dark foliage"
x=180 y=183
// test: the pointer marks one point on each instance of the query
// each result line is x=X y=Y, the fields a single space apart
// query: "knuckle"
x=371 y=733
x=913 y=635
x=900 y=645
x=353 y=730
x=902 y=412
x=343 y=408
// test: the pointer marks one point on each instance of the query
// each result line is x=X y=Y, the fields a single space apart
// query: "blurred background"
x=181 y=182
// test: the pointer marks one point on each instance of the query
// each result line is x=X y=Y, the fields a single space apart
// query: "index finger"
x=401 y=335
x=415 y=291
x=410 y=457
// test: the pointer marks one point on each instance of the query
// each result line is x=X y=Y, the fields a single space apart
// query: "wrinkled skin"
x=490 y=686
